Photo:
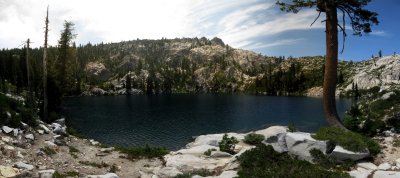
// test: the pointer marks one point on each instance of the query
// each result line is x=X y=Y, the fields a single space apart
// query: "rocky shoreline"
x=48 y=150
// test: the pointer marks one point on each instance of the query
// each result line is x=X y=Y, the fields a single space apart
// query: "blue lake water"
x=171 y=120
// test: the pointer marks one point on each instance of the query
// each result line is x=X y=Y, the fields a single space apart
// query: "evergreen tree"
x=361 y=20
x=66 y=56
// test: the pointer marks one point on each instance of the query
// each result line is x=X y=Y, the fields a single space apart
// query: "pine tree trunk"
x=45 y=101
x=331 y=60
x=28 y=72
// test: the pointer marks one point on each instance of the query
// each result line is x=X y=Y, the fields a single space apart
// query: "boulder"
x=24 y=125
x=169 y=172
x=278 y=142
x=341 y=154
x=7 y=171
x=7 y=129
x=60 y=130
x=46 y=173
x=29 y=137
x=212 y=139
x=386 y=174
x=43 y=127
x=367 y=165
x=187 y=163
x=61 y=122
x=15 y=132
x=55 y=125
x=6 y=139
x=225 y=174
x=300 y=144
x=360 y=173
x=8 y=114
x=21 y=165
x=106 y=150
x=19 y=155
x=60 y=142
x=41 y=132
x=387 y=95
x=50 y=144
x=93 y=142
x=197 y=150
x=384 y=166
x=108 y=175
x=228 y=174
x=398 y=163
x=220 y=154
x=272 y=131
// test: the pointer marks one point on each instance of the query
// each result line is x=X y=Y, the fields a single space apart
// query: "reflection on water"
x=171 y=120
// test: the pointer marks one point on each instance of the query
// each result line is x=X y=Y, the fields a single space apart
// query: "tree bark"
x=45 y=101
x=331 y=61
x=28 y=72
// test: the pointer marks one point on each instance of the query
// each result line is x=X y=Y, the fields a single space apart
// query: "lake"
x=171 y=120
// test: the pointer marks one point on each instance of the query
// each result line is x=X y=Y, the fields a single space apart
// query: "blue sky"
x=256 y=25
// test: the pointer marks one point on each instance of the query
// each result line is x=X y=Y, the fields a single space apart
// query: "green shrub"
x=227 y=144
x=396 y=142
x=199 y=172
x=94 y=164
x=73 y=149
x=208 y=152
x=372 y=127
x=72 y=131
x=48 y=151
x=351 y=123
x=66 y=174
x=19 y=112
x=291 y=127
x=147 y=152
x=329 y=163
x=349 y=140
x=253 y=139
x=113 y=168
x=264 y=161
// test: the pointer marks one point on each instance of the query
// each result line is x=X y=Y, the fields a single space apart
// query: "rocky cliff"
x=192 y=65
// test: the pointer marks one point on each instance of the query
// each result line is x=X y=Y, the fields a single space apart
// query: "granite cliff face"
x=383 y=72
x=192 y=65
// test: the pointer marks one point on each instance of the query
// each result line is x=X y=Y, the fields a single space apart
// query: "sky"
x=256 y=25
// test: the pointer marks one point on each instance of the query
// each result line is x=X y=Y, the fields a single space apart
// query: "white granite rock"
x=46 y=173
x=21 y=165
x=386 y=174
x=7 y=129
x=360 y=173
x=339 y=153
x=300 y=144
x=187 y=163
x=169 y=172
x=108 y=175
x=220 y=154
x=45 y=128
x=29 y=137
x=272 y=131
x=367 y=165
x=398 y=163
x=278 y=142
x=197 y=150
x=6 y=171
x=384 y=166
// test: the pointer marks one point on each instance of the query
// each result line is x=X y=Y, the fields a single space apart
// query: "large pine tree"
x=360 y=20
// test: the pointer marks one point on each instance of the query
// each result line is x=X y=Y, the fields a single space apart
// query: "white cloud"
x=239 y=23
x=378 y=33
x=284 y=42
